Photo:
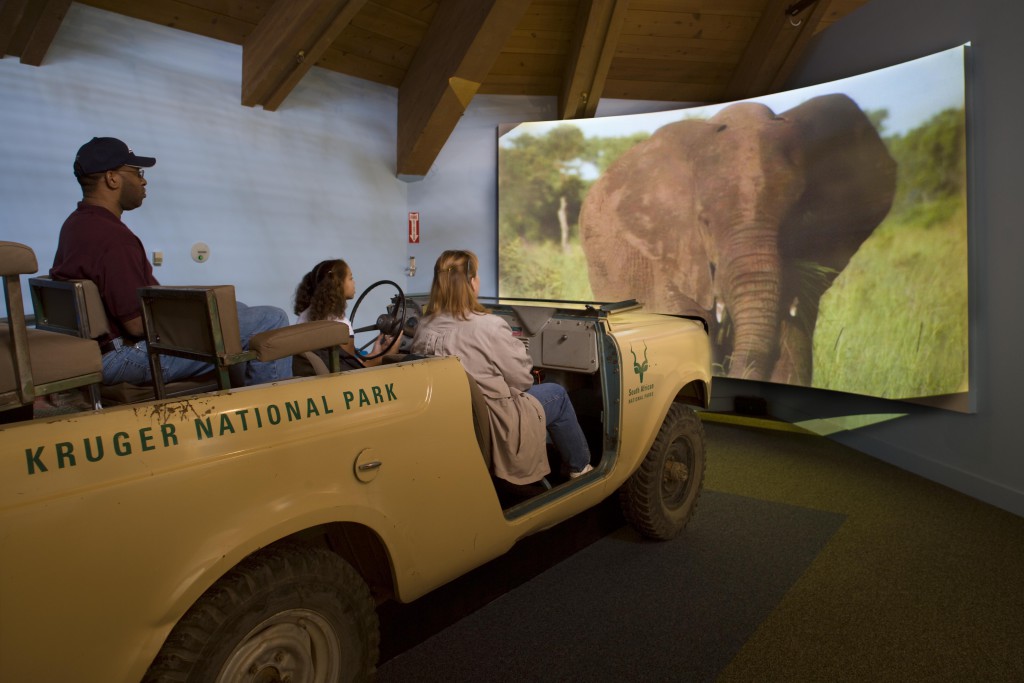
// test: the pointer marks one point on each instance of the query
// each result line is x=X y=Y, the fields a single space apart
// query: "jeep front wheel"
x=285 y=613
x=660 y=497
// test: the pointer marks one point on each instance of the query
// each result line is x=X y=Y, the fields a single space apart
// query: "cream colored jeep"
x=248 y=534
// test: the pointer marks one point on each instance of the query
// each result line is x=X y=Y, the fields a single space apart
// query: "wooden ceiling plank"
x=180 y=15
x=460 y=46
x=355 y=40
x=598 y=26
x=686 y=25
x=752 y=8
x=44 y=31
x=549 y=44
x=286 y=43
x=661 y=91
x=384 y=21
x=357 y=66
x=420 y=10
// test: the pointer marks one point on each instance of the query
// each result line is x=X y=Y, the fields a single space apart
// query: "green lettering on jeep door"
x=33 y=461
x=65 y=451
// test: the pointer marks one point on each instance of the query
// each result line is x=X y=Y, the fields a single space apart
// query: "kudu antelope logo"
x=640 y=368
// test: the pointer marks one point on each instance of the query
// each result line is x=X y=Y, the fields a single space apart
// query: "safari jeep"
x=248 y=534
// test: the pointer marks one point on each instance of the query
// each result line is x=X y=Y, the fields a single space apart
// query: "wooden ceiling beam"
x=458 y=50
x=290 y=38
x=812 y=21
x=28 y=27
x=777 y=44
x=598 y=26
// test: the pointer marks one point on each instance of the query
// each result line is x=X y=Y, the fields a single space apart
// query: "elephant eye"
x=721 y=128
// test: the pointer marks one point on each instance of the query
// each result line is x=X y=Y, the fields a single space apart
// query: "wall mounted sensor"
x=200 y=252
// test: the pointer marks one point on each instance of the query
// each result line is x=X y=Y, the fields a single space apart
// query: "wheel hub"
x=295 y=646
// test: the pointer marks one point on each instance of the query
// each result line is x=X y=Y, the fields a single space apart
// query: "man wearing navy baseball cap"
x=96 y=245
x=107 y=154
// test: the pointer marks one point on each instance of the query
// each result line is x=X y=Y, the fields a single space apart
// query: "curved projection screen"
x=822 y=232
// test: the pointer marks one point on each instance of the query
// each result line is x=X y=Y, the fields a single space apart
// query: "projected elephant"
x=746 y=218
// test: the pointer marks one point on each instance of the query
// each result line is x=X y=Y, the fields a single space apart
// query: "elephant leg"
x=794 y=364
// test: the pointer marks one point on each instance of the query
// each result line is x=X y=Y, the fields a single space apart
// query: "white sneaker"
x=588 y=468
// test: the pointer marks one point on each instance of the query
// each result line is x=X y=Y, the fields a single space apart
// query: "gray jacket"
x=499 y=363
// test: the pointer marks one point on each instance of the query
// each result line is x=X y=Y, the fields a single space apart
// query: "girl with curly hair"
x=324 y=293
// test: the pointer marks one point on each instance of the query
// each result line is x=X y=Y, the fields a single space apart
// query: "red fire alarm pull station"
x=414 y=227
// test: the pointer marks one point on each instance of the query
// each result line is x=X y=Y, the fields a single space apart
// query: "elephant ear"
x=850 y=181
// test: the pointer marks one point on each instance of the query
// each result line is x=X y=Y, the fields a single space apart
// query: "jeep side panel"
x=114 y=523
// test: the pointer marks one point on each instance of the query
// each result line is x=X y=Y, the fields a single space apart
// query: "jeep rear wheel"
x=661 y=496
x=285 y=613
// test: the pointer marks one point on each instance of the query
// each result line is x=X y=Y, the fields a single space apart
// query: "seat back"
x=200 y=323
x=315 y=343
x=68 y=306
x=37 y=362
x=481 y=420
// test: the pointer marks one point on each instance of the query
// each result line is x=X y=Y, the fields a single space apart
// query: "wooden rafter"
x=27 y=27
x=774 y=49
x=289 y=39
x=457 y=52
x=597 y=34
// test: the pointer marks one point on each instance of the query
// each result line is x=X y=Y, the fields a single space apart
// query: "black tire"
x=660 y=497
x=287 y=612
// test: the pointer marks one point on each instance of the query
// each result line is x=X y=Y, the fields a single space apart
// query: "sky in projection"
x=912 y=92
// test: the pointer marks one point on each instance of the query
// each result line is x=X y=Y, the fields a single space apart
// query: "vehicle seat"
x=74 y=307
x=316 y=341
x=35 y=362
x=481 y=421
x=508 y=493
x=185 y=321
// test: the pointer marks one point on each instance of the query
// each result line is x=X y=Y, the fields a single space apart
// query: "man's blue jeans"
x=562 y=424
x=131 y=363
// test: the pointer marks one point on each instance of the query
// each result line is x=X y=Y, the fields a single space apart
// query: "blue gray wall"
x=273 y=192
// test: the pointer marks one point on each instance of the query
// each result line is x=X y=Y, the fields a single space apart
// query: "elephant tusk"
x=793 y=307
x=719 y=311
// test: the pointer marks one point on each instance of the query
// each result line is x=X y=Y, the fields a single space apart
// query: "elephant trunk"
x=751 y=290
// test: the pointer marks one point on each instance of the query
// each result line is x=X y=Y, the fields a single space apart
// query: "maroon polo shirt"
x=95 y=245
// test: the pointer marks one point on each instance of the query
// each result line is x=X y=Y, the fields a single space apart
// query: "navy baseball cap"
x=106 y=154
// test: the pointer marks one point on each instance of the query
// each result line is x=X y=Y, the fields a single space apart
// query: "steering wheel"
x=390 y=324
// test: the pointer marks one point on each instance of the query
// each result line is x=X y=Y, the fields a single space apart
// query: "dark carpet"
x=628 y=609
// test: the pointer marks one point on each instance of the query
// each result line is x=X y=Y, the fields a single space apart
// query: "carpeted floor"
x=624 y=608
x=806 y=561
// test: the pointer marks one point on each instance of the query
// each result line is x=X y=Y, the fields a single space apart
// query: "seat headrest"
x=17 y=259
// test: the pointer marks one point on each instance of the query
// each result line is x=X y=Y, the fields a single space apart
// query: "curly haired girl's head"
x=322 y=290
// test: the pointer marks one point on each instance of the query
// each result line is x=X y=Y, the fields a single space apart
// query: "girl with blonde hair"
x=454 y=323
